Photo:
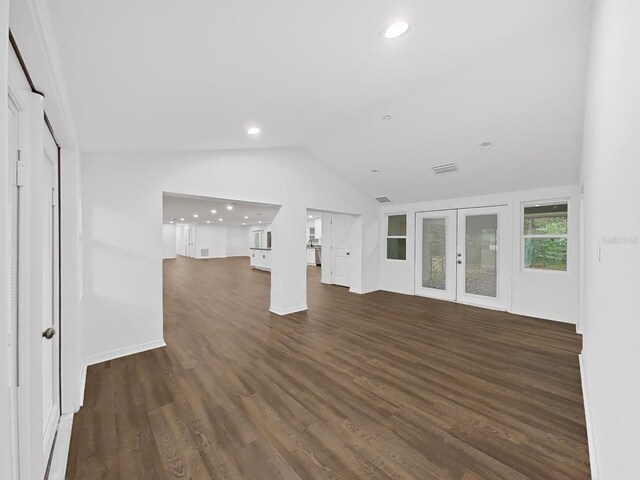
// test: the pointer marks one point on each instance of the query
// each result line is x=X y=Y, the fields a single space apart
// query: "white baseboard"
x=60 y=454
x=593 y=457
x=287 y=311
x=363 y=292
x=123 y=352
x=83 y=382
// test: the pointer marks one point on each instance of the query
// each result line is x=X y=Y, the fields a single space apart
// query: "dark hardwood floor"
x=369 y=386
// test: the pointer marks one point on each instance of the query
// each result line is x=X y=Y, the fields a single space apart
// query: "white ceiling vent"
x=446 y=168
x=383 y=199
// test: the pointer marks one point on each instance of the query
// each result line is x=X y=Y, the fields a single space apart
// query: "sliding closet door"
x=481 y=259
x=436 y=254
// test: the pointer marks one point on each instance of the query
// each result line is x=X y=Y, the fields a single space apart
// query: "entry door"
x=436 y=254
x=458 y=256
x=50 y=312
x=340 y=250
x=478 y=258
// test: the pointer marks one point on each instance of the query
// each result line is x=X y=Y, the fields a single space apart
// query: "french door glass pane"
x=481 y=255
x=434 y=253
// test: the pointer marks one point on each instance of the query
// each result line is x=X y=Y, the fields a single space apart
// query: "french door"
x=459 y=256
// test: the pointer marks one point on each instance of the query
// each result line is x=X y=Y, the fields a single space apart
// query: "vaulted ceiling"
x=168 y=75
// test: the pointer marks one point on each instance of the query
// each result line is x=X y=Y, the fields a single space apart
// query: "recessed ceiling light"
x=386 y=117
x=246 y=217
x=396 y=29
x=243 y=223
x=310 y=216
x=229 y=207
x=219 y=219
x=486 y=145
x=171 y=221
x=195 y=215
x=259 y=221
x=208 y=221
x=213 y=211
x=253 y=131
x=182 y=219
x=375 y=172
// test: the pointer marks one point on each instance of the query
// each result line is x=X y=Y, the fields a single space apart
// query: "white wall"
x=610 y=174
x=169 y=244
x=237 y=241
x=5 y=306
x=550 y=295
x=123 y=276
x=212 y=238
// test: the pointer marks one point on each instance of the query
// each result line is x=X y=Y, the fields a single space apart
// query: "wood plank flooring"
x=376 y=386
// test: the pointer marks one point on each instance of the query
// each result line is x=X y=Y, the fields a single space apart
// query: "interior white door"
x=340 y=250
x=436 y=254
x=480 y=261
x=50 y=312
x=191 y=242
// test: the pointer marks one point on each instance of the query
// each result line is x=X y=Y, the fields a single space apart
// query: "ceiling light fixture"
x=171 y=221
x=486 y=145
x=246 y=217
x=229 y=207
x=375 y=172
x=396 y=30
x=219 y=219
x=386 y=117
x=182 y=219
x=243 y=223
x=259 y=221
x=195 y=215
x=253 y=131
x=213 y=211
x=310 y=216
x=208 y=221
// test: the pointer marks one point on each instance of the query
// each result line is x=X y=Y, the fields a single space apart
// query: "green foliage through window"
x=545 y=237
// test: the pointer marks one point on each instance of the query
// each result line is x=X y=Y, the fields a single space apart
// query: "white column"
x=289 y=260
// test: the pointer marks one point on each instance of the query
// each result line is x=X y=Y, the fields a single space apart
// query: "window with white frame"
x=397 y=237
x=545 y=236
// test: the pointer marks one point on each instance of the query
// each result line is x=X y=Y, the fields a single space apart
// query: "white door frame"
x=451 y=225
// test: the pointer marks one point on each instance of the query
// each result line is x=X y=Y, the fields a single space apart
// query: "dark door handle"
x=459 y=261
x=348 y=253
x=49 y=333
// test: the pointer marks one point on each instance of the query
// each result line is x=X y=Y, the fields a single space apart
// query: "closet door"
x=436 y=254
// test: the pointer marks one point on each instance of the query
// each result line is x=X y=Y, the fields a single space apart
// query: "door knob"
x=49 y=333
x=348 y=253
x=459 y=261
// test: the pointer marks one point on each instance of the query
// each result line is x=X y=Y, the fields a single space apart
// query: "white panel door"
x=436 y=254
x=481 y=262
x=50 y=318
x=340 y=250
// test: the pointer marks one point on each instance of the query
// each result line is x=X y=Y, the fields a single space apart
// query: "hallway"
x=370 y=386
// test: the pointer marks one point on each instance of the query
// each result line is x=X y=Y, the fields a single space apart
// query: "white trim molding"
x=287 y=311
x=123 y=352
x=591 y=440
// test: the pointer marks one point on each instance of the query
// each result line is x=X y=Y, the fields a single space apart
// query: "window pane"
x=397 y=248
x=397 y=226
x=481 y=274
x=545 y=253
x=433 y=253
x=546 y=220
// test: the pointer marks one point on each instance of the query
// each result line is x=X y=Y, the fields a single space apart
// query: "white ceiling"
x=177 y=206
x=167 y=75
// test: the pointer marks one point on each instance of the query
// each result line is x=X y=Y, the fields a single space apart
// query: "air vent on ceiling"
x=383 y=199
x=446 y=168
